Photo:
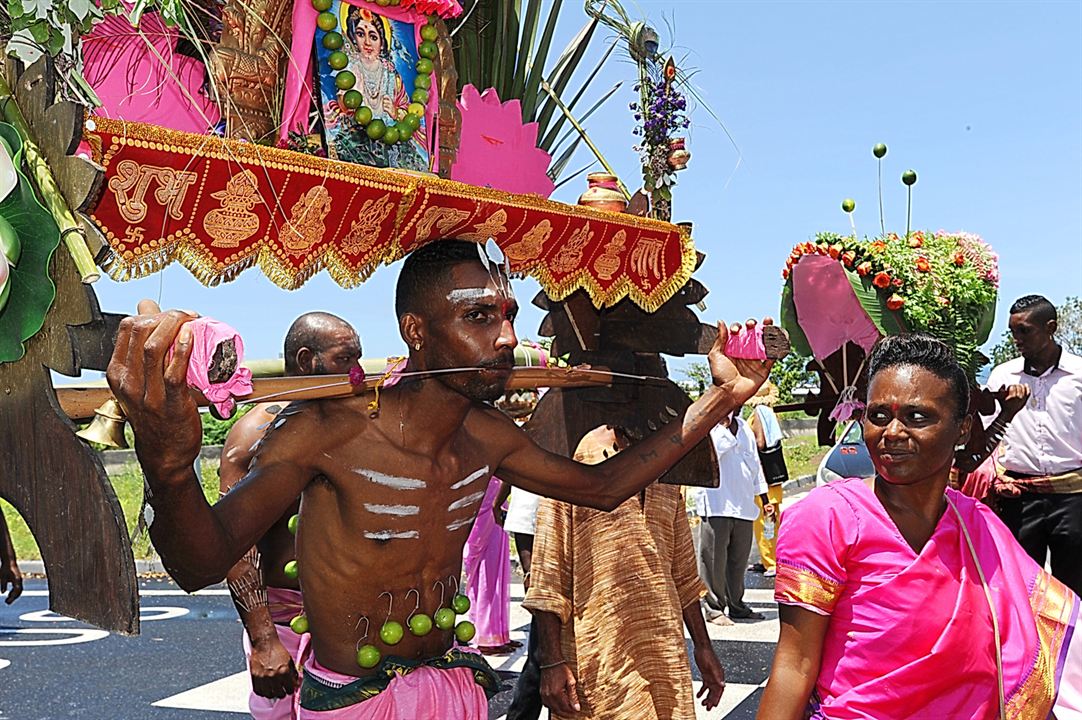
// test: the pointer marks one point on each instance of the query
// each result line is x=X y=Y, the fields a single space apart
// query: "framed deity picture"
x=374 y=73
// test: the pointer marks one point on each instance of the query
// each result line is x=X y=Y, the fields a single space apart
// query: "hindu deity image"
x=381 y=56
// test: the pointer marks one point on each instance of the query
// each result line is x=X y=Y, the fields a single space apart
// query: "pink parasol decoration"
x=828 y=311
x=496 y=149
x=139 y=76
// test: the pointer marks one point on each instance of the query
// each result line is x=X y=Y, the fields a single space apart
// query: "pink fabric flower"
x=207 y=333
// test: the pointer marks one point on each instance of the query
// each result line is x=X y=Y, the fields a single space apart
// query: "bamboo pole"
x=71 y=231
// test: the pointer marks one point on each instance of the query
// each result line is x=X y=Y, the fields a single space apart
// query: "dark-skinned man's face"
x=1031 y=337
x=469 y=322
x=910 y=426
x=341 y=351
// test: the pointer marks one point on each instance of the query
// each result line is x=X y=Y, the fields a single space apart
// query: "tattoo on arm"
x=646 y=457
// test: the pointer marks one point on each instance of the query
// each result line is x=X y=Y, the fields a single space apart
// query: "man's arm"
x=606 y=485
x=796 y=664
x=9 y=567
x=984 y=441
x=558 y=683
x=198 y=544
x=706 y=659
x=271 y=667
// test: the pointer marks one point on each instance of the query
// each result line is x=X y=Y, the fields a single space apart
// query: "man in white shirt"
x=727 y=512
x=1042 y=501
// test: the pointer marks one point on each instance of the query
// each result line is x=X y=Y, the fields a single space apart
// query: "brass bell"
x=107 y=427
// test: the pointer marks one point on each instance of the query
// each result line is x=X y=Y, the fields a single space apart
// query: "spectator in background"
x=486 y=561
x=1041 y=500
x=767 y=431
x=727 y=513
x=9 y=568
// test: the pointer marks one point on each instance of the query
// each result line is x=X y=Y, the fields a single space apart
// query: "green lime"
x=422 y=82
x=299 y=624
x=420 y=625
x=391 y=632
x=292 y=524
x=345 y=80
x=352 y=99
x=424 y=66
x=390 y=135
x=326 y=21
x=383 y=3
x=416 y=109
x=427 y=49
x=337 y=60
x=291 y=570
x=333 y=41
x=419 y=96
x=322 y=5
x=879 y=150
x=363 y=116
x=429 y=33
x=909 y=177
x=460 y=604
x=413 y=122
x=444 y=618
x=375 y=129
x=405 y=132
x=849 y=205
x=368 y=656
x=465 y=631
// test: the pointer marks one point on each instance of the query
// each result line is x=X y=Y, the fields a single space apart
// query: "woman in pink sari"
x=486 y=561
x=911 y=600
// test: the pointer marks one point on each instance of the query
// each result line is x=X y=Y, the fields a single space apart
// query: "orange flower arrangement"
x=881 y=280
x=923 y=265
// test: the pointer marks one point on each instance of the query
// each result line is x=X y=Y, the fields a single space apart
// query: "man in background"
x=266 y=593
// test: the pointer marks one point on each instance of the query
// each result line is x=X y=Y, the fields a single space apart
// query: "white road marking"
x=75 y=636
x=229 y=695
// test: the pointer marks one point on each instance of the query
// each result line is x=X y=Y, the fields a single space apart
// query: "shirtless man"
x=266 y=596
x=388 y=497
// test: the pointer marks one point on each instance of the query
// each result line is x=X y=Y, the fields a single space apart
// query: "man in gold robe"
x=609 y=592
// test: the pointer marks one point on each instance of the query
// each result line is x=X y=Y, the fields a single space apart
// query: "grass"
x=802 y=455
x=128 y=486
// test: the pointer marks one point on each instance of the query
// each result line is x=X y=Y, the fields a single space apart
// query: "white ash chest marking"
x=467 y=501
x=460 y=523
x=392 y=481
x=471 y=478
x=391 y=534
x=399 y=510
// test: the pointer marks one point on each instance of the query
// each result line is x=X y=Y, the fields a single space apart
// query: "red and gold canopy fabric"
x=221 y=206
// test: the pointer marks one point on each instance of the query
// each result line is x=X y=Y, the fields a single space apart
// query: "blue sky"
x=982 y=99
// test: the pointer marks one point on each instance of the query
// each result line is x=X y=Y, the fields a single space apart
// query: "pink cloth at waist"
x=284 y=604
x=425 y=693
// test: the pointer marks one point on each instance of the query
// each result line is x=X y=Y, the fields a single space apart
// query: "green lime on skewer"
x=326 y=21
x=322 y=5
x=345 y=80
x=337 y=60
x=391 y=633
x=420 y=624
x=419 y=96
x=909 y=177
x=880 y=150
x=299 y=624
x=375 y=129
x=294 y=521
x=429 y=33
x=444 y=618
x=427 y=49
x=465 y=631
x=422 y=82
x=460 y=603
x=291 y=570
x=849 y=205
x=424 y=66
x=333 y=41
x=390 y=135
x=368 y=656
x=416 y=109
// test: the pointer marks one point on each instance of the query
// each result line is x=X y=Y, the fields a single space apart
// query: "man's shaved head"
x=425 y=271
x=316 y=332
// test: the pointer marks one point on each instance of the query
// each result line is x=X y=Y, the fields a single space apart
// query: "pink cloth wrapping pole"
x=487 y=563
x=283 y=604
x=206 y=334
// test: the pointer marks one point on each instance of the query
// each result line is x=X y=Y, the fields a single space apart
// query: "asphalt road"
x=188 y=665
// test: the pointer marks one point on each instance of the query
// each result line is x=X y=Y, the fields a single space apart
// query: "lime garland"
x=376 y=129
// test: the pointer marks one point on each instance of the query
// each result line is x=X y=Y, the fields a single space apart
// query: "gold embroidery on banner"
x=532 y=243
x=493 y=227
x=609 y=262
x=570 y=255
x=305 y=227
x=234 y=222
x=648 y=260
x=443 y=218
x=132 y=181
x=364 y=233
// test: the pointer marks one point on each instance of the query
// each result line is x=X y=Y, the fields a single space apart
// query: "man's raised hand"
x=152 y=388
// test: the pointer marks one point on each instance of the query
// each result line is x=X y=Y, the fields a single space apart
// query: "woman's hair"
x=923 y=351
x=354 y=16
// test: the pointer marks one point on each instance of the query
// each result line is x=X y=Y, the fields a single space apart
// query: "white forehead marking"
x=472 y=477
x=459 y=523
x=392 y=481
x=392 y=509
x=466 y=501
x=471 y=294
x=391 y=534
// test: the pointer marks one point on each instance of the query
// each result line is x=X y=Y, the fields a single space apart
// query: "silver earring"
x=417 y=346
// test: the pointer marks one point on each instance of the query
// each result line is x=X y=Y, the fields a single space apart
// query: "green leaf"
x=547 y=145
x=791 y=324
x=40 y=31
x=537 y=68
x=16 y=9
x=32 y=290
x=525 y=47
x=887 y=321
x=560 y=76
